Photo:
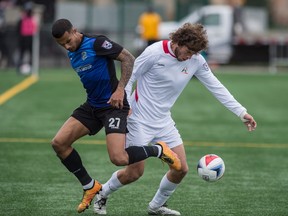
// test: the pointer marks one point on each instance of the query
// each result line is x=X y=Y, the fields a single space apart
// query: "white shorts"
x=141 y=134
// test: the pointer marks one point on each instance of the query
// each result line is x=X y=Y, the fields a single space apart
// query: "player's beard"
x=176 y=52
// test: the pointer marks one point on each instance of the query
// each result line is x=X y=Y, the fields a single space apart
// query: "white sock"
x=112 y=185
x=164 y=192
x=89 y=185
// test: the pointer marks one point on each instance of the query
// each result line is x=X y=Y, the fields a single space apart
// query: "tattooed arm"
x=127 y=61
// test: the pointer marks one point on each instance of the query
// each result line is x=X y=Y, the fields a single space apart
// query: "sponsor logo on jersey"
x=160 y=64
x=84 y=55
x=184 y=70
x=107 y=45
x=83 y=68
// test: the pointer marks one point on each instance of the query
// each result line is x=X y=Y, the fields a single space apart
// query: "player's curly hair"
x=193 y=36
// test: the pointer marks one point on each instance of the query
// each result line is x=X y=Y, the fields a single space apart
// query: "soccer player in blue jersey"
x=92 y=58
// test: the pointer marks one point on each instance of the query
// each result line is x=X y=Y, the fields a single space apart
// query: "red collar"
x=166 y=49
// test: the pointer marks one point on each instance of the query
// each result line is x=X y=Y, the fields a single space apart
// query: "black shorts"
x=114 y=120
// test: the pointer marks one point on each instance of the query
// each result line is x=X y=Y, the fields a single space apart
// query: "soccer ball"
x=211 y=167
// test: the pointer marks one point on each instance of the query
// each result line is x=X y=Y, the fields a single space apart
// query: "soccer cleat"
x=100 y=205
x=163 y=210
x=169 y=157
x=88 y=196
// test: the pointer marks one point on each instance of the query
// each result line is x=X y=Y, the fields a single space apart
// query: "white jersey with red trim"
x=161 y=78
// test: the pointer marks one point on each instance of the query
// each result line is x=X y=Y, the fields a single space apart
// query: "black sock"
x=138 y=153
x=74 y=164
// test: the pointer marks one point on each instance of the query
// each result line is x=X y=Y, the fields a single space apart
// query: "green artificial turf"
x=33 y=181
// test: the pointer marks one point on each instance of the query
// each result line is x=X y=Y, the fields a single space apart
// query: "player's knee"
x=184 y=170
x=119 y=160
x=181 y=173
x=57 y=145
x=54 y=143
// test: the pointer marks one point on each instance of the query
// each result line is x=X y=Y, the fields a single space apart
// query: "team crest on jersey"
x=84 y=55
x=206 y=67
x=184 y=70
x=107 y=45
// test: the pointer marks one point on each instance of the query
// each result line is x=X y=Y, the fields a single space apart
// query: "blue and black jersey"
x=94 y=63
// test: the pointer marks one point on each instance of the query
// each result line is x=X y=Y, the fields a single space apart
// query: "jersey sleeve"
x=210 y=81
x=142 y=64
x=106 y=47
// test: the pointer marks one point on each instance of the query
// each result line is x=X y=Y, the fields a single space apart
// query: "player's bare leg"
x=168 y=185
x=130 y=174
x=71 y=131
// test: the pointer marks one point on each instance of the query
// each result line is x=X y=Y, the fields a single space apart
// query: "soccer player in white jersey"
x=162 y=71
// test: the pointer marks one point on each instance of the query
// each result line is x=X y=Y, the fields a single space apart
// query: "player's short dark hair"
x=60 y=27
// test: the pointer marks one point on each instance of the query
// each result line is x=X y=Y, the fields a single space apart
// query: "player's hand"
x=116 y=99
x=249 y=122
